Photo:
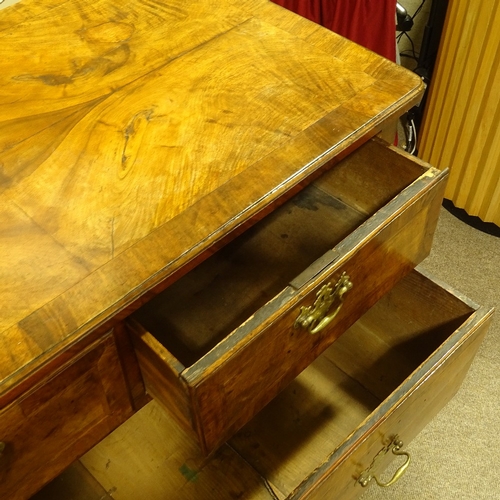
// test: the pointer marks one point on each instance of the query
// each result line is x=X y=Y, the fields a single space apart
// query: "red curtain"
x=371 y=23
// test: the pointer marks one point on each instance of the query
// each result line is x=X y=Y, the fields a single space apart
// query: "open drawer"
x=380 y=383
x=331 y=429
x=220 y=343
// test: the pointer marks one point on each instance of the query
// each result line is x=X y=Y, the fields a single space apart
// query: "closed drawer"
x=220 y=343
x=45 y=430
x=388 y=375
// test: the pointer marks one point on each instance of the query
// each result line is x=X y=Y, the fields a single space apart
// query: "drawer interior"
x=204 y=306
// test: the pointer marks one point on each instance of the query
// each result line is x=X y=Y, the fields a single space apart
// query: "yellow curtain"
x=461 y=126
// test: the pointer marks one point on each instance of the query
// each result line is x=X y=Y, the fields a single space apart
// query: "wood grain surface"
x=133 y=137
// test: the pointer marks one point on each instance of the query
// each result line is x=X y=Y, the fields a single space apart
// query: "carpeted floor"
x=457 y=456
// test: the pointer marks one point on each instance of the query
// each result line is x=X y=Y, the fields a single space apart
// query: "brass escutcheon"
x=395 y=447
x=314 y=318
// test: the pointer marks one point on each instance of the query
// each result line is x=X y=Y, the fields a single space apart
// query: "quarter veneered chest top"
x=133 y=137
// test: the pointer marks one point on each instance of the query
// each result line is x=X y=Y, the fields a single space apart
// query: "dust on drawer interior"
x=196 y=312
x=298 y=430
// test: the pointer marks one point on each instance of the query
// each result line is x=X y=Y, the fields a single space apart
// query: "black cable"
x=409 y=56
x=405 y=33
x=413 y=55
x=418 y=9
x=266 y=483
x=412 y=50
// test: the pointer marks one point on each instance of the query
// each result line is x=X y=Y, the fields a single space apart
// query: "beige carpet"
x=457 y=456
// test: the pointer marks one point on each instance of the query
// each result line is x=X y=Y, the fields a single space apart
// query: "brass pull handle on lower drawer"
x=314 y=318
x=395 y=446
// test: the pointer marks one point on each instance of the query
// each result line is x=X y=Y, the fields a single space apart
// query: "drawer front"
x=250 y=367
x=402 y=415
x=254 y=358
x=46 y=430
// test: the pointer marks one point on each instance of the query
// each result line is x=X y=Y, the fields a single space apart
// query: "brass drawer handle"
x=314 y=318
x=395 y=447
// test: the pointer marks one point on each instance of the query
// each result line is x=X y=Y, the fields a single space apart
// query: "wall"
x=461 y=124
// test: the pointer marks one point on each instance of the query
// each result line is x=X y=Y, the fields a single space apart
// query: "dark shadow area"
x=475 y=222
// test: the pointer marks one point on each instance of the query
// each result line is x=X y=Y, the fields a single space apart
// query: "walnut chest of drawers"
x=195 y=210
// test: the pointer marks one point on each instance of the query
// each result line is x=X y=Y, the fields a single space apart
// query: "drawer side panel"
x=161 y=374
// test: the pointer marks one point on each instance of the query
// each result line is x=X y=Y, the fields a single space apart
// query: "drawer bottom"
x=387 y=376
